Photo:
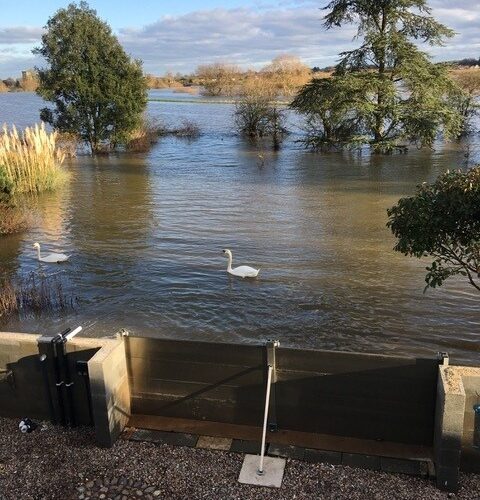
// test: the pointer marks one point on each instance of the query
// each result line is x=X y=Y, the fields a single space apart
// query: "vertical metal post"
x=272 y=361
x=265 y=418
x=59 y=379
x=82 y=370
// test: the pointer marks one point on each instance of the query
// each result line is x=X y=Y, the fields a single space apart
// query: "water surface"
x=146 y=232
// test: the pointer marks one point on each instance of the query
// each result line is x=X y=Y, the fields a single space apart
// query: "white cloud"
x=251 y=36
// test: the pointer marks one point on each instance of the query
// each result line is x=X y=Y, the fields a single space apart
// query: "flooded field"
x=146 y=233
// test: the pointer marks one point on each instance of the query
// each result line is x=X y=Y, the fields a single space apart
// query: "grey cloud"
x=252 y=36
x=245 y=36
x=20 y=34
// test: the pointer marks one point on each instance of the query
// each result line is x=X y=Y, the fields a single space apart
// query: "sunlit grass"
x=30 y=160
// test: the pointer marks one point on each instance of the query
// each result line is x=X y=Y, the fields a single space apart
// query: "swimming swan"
x=52 y=258
x=242 y=271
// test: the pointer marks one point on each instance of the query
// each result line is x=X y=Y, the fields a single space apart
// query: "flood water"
x=146 y=233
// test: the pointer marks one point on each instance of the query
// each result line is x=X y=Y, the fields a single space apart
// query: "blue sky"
x=179 y=35
x=118 y=13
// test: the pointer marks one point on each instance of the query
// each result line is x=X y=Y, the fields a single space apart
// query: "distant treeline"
x=28 y=82
x=468 y=62
x=214 y=77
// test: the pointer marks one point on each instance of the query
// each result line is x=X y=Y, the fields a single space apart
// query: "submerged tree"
x=99 y=93
x=466 y=99
x=442 y=221
x=332 y=117
x=404 y=97
x=257 y=113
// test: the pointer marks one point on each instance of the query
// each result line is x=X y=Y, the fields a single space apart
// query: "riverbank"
x=58 y=463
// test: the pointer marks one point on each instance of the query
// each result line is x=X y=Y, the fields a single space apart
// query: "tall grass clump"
x=142 y=138
x=33 y=295
x=30 y=161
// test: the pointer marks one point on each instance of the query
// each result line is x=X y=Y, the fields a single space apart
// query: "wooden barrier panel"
x=196 y=379
x=358 y=395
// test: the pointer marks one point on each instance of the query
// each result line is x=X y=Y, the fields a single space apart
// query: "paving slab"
x=286 y=451
x=361 y=461
x=400 y=466
x=214 y=443
x=322 y=456
x=163 y=437
x=273 y=469
x=244 y=446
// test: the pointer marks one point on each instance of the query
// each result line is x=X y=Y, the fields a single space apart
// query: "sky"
x=179 y=35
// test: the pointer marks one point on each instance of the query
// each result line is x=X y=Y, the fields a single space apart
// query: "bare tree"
x=287 y=73
x=218 y=78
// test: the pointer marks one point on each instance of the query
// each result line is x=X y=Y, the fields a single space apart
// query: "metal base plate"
x=273 y=469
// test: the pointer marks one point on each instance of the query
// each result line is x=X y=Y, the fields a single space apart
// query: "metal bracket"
x=444 y=358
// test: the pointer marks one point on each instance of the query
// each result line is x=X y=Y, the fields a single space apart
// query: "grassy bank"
x=205 y=101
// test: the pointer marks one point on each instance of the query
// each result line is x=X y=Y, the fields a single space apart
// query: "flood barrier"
x=103 y=382
x=389 y=398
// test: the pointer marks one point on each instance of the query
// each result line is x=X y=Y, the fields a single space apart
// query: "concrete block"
x=361 y=461
x=110 y=391
x=273 y=469
x=286 y=451
x=322 y=456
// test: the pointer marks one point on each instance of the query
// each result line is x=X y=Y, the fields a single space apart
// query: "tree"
x=466 y=99
x=287 y=73
x=442 y=221
x=98 y=91
x=218 y=78
x=257 y=113
x=404 y=95
x=332 y=118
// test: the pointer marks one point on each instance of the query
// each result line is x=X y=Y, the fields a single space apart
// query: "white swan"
x=241 y=271
x=52 y=257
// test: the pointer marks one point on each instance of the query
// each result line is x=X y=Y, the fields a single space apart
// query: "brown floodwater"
x=146 y=233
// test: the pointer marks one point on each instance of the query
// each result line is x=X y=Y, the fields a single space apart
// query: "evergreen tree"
x=442 y=220
x=98 y=92
x=404 y=96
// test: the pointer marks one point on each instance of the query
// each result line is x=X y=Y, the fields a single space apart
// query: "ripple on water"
x=146 y=233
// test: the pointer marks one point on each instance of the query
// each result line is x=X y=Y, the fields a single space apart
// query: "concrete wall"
x=110 y=391
x=24 y=391
x=454 y=449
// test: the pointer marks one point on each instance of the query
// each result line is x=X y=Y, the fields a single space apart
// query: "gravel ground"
x=58 y=463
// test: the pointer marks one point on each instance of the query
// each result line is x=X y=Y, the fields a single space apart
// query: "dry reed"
x=144 y=136
x=33 y=294
x=31 y=160
x=13 y=219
